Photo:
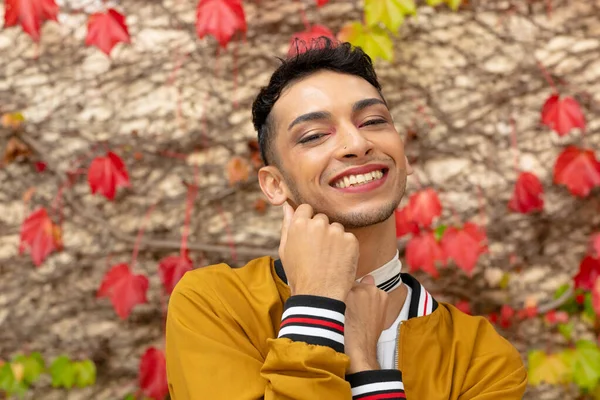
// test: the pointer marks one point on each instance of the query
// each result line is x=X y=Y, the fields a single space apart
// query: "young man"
x=333 y=318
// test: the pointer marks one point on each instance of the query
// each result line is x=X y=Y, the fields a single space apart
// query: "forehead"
x=322 y=91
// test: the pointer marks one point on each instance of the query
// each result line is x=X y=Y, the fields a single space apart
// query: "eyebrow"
x=320 y=115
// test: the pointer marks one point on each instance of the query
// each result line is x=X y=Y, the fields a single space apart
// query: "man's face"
x=338 y=149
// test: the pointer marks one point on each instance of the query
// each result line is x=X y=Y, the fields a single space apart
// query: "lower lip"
x=365 y=187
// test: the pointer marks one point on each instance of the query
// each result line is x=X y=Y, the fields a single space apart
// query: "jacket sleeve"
x=496 y=376
x=210 y=355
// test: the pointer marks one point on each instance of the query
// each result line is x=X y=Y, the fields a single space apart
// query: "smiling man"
x=334 y=317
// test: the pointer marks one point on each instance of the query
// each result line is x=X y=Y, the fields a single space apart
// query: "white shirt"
x=387 y=343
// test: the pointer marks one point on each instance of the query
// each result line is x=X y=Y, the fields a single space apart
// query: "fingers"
x=304 y=211
x=368 y=280
x=288 y=213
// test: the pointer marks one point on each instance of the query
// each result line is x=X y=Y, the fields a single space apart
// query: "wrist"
x=358 y=364
x=332 y=294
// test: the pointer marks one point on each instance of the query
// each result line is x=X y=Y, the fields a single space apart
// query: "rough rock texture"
x=170 y=106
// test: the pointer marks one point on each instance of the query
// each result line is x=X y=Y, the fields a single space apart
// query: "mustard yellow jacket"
x=221 y=343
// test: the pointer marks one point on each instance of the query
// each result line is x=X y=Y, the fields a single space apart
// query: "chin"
x=362 y=217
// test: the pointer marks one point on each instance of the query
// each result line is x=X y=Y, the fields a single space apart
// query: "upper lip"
x=358 y=170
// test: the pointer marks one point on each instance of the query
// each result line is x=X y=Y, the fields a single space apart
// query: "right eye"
x=311 y=138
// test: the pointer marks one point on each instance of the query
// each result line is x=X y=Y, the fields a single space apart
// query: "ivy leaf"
x=454 y=4
x=562 y=115
x=238 y=170
x=596 y=297
x=153 y=374
x=40 y=236
x=389 y=12
x=172 y=268
x=404 y=225
x=556 y=317
x=566 y=330
x=423 y=251
x=373 y=40
x=33 y=366
x=464 y=245
x=464 y=306
x=107 y=174
x=578 y=169
x=424 y=207
x=62 y=372
x=585 y=364
x=549 y=368
x=30 y=14
x=588 y=307
x=439 y=232
x=9 y=383
x=124 y=289
x=85 y=373
x=595 y=245
x=107 y=29
x=302 y=41
x=589 y=271
x=220 y=18
x=434 y=3
x=130 y=396
x=527 y=196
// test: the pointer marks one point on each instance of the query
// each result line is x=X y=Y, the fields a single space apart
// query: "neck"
x=377 y=244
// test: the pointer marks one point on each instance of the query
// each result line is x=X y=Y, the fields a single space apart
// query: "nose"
x=353 y=143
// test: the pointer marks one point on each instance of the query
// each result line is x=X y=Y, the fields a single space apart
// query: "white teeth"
x=355 y=180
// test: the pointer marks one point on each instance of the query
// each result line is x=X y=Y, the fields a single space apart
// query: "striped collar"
x=421 y=301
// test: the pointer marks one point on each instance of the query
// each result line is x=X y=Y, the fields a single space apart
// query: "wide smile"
x=359 y=183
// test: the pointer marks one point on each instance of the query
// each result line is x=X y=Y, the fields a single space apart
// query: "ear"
x=409 y=168
x=272 y=184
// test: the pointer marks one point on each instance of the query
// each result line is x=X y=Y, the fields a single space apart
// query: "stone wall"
x=171 y=104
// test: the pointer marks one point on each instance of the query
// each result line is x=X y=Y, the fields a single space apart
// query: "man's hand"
x=366 y=305
x=319 y=258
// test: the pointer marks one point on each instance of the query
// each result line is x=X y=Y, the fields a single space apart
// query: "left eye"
x=374 y=122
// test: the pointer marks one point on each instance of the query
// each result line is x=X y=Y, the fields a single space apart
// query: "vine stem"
x=303 y=15
x=547 y=75
x=191 y=197
x=138 y=239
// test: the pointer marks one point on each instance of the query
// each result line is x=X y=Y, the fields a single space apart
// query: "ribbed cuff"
x=377 y=385
x=314 y=320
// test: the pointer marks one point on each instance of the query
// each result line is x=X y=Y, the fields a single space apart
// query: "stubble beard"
x=351 y=220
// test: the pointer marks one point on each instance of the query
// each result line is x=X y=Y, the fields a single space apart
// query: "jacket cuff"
x=314 y=320
x=377 y=384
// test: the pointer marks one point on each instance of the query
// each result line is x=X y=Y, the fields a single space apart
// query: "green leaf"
x=387 y=12
x=62 y=372
x=439 y=232
x=434 y=3
x=454 y=4
x=8 y=382
x=585 y=364
x=588 y=307
x=549 y=368
x=566 y=330
x=130 y=396
x=85 y=373
x=373 y=40
x=33 y=366
x=562 y=289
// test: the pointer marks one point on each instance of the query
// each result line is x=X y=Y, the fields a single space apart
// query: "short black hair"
x=321 y=54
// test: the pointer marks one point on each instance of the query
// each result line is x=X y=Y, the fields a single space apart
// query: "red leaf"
x=596 y=297
x=153 y=374
x=422 y=251
x=527 y=196
x=464 y=306
x=424 y=206
x=595 y=245
x=106 y=174
x=172 y=268
x=556 y=317
x=107 y=29
x=562 y=115
x=506 y=316
x=220 y=18
x=321 y=3
x=589 y=272
x=302 y=41
x=578 y=169
x=528 y=312
x=40 y=235
x=40 y=166
x=30 y=14
x=124 y=289
x=464 y=246
x=404 y=224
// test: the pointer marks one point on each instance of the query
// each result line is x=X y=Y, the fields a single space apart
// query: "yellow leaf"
x=454 y=4
x=13 y=120
x=17 y=369
x=549 y=368
x=434 y=3
x=388 y=12
x=373 y=40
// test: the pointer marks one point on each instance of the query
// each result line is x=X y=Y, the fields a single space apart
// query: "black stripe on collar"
x=419 y=300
